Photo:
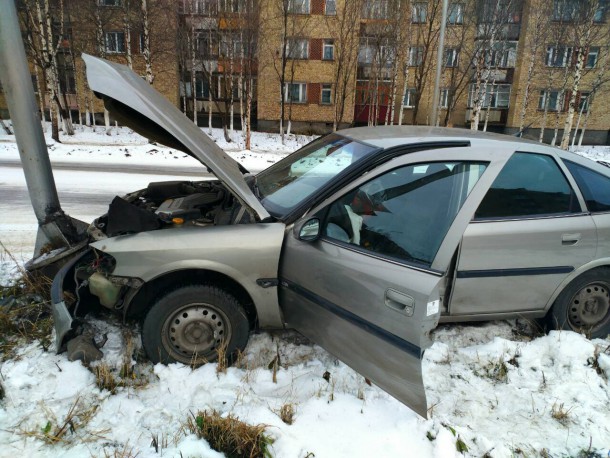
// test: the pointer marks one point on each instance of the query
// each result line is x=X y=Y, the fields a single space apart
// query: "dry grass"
x=286 y=413
x=71 y=426
x=560 y=413
x=231 y=436
x=594 y=360
x=125 y=452
x=25 y=313
x=127 y=375
x=495 y=370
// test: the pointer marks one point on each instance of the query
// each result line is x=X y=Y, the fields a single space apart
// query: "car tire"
x=192 y=324
x=584 y=305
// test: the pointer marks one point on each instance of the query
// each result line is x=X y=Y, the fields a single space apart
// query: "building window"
x=115 y=42
x=583 y=102
x=502 y=55
x=109 y=2
x=445 y=98
x=202 y=86
x=451 y=57
x=600 y=12
x=204 y=7
x=592 y=57
x=230 y=45
x=226 y=6
x=326 y=94
x=566 y=10
x=550 y=100
x=409 y=98
x=297 y=48
x=376 y=9
x=498 y=12
x=295 y=92
x=496 y=96
x=328 y=50
x=331 y=7
x=558 y=56
x=416 y=55
x=419 y=13
x=455 y=14
x=298 y=6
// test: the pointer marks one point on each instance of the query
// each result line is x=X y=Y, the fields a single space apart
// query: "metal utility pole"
x=439 y=64
x=55 y=228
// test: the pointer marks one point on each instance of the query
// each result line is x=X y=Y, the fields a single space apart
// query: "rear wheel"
x=192 y=324
x=584 y=305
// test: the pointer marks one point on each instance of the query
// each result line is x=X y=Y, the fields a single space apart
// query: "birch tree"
x=537 y=33
x=343 y=28
x=426 y=42
x=585 y=35
x=290 y=45
x=494 y=29
x=601 y=80
x=44 y=26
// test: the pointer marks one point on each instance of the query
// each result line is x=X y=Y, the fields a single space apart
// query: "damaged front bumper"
x=62 y=319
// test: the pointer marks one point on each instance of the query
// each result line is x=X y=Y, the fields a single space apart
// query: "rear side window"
x=594 y=186
x=528 y=185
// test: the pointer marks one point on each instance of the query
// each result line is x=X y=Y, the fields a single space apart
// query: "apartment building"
x=318 y=65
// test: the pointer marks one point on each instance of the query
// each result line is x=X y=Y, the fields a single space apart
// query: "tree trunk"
x=584 y=126
x=5 y=128
x=248 y=114
x=127 y=27
x=146 y=52
x=567 y=126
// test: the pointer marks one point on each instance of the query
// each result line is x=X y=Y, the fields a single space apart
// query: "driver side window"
x=404 y=213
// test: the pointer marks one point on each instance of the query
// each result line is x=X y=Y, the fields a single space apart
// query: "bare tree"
x=424 y=56
x=497 y=20
x=538 y=30
x=585 y=34
x=287 y=44
x=343 y=29
x=44 y=25
x=601 y=80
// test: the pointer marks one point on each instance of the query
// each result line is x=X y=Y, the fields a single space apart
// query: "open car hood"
x=134 y=103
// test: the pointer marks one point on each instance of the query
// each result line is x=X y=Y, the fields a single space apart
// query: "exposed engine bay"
x=162 y=205
x=170 y=204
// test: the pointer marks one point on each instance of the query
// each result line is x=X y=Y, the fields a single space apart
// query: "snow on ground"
x=492 y=390
x=123 y=146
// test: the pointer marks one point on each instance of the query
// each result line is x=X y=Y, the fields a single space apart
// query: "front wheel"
x=192 y=324
x=584 y=305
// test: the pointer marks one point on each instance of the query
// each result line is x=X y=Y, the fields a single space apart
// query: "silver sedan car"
x=363 y=241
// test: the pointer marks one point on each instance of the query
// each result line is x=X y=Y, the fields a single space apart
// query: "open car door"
x=368 y=289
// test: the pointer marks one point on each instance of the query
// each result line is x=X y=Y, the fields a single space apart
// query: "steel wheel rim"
x=194 y=332
x=589 y=308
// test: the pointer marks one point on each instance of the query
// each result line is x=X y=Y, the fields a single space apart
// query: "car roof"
x=390 y=136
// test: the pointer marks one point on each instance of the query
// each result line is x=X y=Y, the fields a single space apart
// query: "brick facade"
x=363 y=88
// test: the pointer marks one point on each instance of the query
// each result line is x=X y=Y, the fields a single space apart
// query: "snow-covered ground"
x=492 y=389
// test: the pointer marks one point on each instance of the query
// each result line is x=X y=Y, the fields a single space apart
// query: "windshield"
x=283 y=186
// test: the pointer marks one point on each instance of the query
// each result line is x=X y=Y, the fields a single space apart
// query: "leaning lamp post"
x=57 y=232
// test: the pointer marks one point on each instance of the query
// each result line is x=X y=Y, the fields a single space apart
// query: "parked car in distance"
x=363 y=241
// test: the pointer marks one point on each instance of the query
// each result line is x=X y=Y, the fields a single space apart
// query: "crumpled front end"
x=62 y=318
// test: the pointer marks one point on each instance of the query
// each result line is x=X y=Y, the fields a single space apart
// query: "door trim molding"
x=514 y=272
x=354 y=319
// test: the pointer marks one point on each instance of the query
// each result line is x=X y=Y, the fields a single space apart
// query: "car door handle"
x=570 y=239
x=399 y=301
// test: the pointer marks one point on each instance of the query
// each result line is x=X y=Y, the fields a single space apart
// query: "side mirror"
x=310 y=230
